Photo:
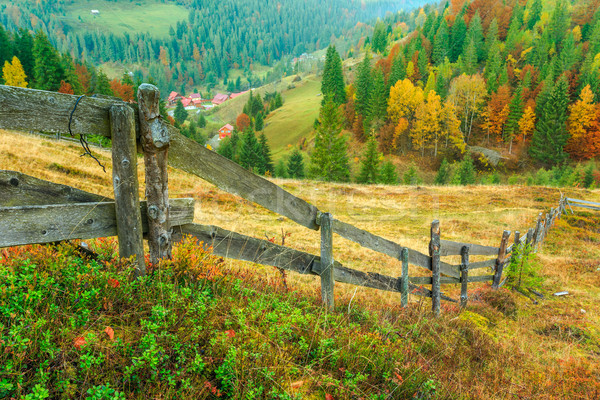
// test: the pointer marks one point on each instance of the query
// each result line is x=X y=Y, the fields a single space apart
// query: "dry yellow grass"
x=569 y=259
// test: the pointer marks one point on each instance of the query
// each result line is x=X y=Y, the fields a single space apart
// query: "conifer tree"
x=475 y=35
x=180 y=114
x=24 y=52
x=259 y=122
x=465 y=174
x=6 y=52
x=70 y=75
x=469 y=58
x=550 y=135
x=370 y=163
x=458 y=33
x=332 y=84
x=103 y=85
x=388 y=174
x=281 y=169
x=48 y=71
x=201 y=121
x=441 y=44
x=378 y=101
x=514 y=116
x=363 y=86
x=398 y=70
x=267 y=159
x=13 y=73
x=251 y=155
x=534 y=13
x=443 y=175
x=329 y=159
x=295 y=166
x=379 y=42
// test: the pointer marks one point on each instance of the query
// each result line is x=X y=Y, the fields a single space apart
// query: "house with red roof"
x=225 y=131
x=173 y=97
x=220 y=99
x=234 y=95
x=194 y=96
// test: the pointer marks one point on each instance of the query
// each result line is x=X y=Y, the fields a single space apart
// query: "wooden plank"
x=326 y=270
x=434 y=251
x=233 y=245
x=385 y=246
x=56 y=222
x=126 y=186
x=482 y=264
x=26 y=110
x=450 y=248
x=501 y=259
x=570 y=200
x=190 y=156
x=481 y=278
x=17 y=189
x=404 y=278
x=155 y=140
x=427 y=280
x=464 y=276
x=585 y=206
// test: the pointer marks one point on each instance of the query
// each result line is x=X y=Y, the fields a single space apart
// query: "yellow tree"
x=427 y=128
x=13 y=73
x=451 y=127
x=467 y=93
x=582 y=126
x=403 y=102
x=527 y=123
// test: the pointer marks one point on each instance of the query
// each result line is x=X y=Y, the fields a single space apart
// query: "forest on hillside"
x=520 y=77
x=216 y=37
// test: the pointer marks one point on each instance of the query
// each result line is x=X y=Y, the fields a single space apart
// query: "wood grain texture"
x=483 y=264
x=464 y=276
x=326 y=270
x=190 y=156
x=28 y=110
x=404 y=278
x=17 y=189
x=56 y=222
x=155 y=140
x=126 y=186
x=392 y=249
x=450 y=248
x=434 y=251
x=500 y=261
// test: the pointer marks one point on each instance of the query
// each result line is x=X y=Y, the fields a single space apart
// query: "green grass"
x=295 y=119
x=125 y=16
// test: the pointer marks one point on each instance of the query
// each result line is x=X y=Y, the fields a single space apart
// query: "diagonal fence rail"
x=123 y=123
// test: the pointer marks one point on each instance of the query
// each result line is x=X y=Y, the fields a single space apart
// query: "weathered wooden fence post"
x=326 y=272
x=155 y=144
x=434 y=252
x=501 y=259
x=126 y=185
x=538 y=231
x=404 y=279
x=529 y=237
x=464 y=275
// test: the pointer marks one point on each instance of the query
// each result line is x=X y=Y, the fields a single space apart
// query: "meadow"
x=253 y=333
x=124 y=17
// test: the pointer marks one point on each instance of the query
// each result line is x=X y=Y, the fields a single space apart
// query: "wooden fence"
x=583 y=204
x=36 y=211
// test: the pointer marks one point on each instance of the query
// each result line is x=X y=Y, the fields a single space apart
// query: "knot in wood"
x=153 y=212
x=163 y=240
x=14 y=182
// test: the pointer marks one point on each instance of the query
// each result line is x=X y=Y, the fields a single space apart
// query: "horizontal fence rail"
x=583 y=204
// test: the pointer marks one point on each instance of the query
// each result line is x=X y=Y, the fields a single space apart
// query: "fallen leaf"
x=79 y=342
x=110 y=332
x=114 y=283
x=328 y=396
x=297 y=384
x=230 y=333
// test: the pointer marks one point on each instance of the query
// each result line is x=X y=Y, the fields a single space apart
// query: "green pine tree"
x=378 y=102
x=388 y=174
x=465 y=174
x=251 y=153
x=6 y=52
x=370 y=163
x=475 y=35
x=363 y=85
x=380 y=37
x=443 y=175
x=48 y=71
x=267 y=159
x=201 y=121
x=329 y=159
x=259 y=122
x=441 y=45
x=534 y=13
x=550 y=135
x=180 y=114
x=398 y=70
x=103 y=85
x=24 y=51
x=70 y=75
x=458 y=33
x=469 y=58
x=511 y=128
x=295 y=166
x=411 y=176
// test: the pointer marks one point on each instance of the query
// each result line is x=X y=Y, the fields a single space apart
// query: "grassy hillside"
x=119 y=17
x=199 y=324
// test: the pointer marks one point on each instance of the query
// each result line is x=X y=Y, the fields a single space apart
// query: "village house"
x=173 y=97
x=220 y=99
x=225 y=131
